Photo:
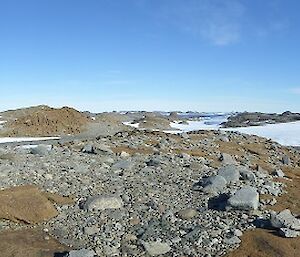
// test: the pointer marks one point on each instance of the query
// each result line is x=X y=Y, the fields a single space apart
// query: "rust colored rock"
x=25 y=204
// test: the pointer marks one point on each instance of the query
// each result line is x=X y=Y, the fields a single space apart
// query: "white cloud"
x=216 y=21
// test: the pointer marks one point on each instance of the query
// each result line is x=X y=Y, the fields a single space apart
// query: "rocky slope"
x=44 y=121
x=138 y=193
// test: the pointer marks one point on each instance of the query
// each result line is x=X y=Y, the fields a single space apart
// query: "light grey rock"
x=186 y=214
x=278 y=173
x=247 y=198
x=232 y=240
x=41 y=150
x=289 y=233
x=156 y=248
x=230 y=173
x=103 y=202
x=285 y=219
x=238 y=232
x=81 y=253
x=124 y=155
x=227 y=159
x=247 y=174
x=214 y=184
x=88 y=149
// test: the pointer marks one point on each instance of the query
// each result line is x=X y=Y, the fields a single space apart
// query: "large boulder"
x=214 y=184
x=247 y=198
x=230 y=173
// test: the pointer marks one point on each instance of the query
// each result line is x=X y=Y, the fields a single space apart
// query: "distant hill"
x=43 y=121
x=247 y=119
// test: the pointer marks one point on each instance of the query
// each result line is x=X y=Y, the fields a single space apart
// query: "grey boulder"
x=230 y=173
x=247 y=198
x=214 y=184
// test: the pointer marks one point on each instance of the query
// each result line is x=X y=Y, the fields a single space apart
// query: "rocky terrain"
x=247 y=119
x=139 y=193
x=44 y=121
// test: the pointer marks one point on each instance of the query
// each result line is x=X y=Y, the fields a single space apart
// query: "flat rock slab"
x=100 y=203
x=25 y=204
x=246 y=198
x=29 y=243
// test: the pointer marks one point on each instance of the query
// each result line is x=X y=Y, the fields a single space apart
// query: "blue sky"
x=102 y=55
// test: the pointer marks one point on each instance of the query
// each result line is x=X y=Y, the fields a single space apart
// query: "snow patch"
x=134 y=125
x=24 y=139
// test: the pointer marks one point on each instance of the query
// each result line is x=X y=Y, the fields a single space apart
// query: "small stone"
x=156 y=248
x=278 y=173
x=88 y=149
x=186 y=214
x=238 y=232
x=124 y=154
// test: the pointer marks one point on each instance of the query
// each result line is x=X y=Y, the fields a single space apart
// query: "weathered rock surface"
x=100 y=203
x=25 y=204
x=247 y=198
